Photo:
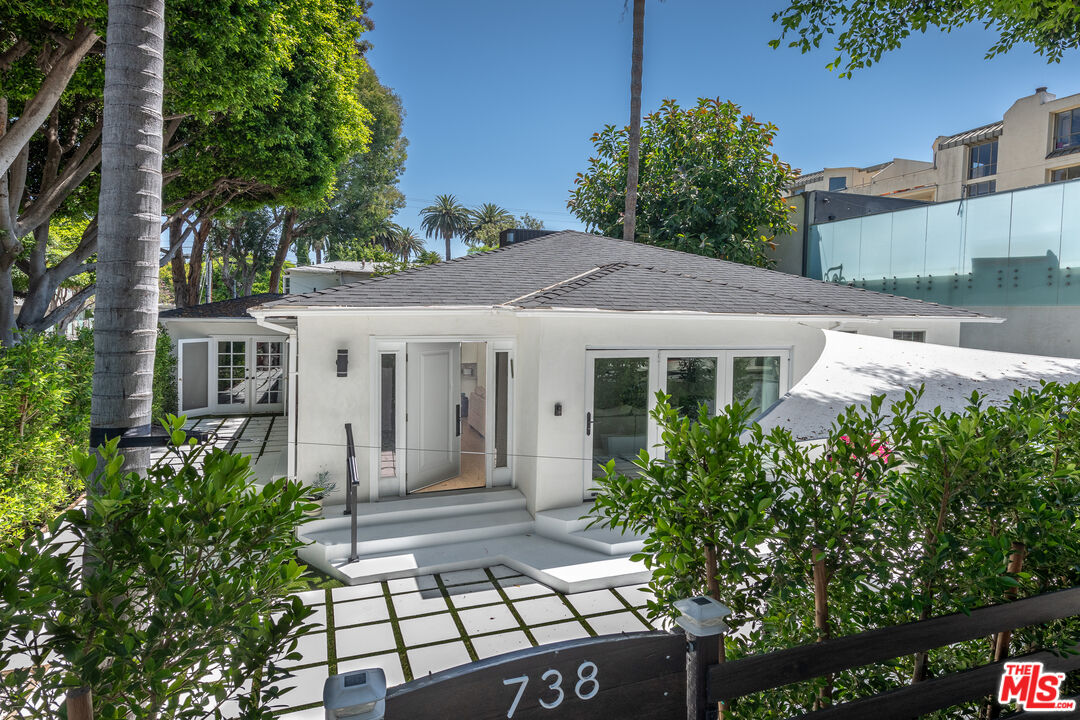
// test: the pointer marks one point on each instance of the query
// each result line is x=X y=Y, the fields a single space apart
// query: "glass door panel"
x=619 y=420
x=757 y=379
x=232 y=386
x=691 y=382
x=269 y=373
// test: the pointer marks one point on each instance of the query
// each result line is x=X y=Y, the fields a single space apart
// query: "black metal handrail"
x=352 y=481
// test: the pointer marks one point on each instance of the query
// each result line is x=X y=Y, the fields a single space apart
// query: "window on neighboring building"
x=1067 y=129
x=983 y=160
x=909 y=335
x=837 y=183
x=1063 y=174
x=981 y=188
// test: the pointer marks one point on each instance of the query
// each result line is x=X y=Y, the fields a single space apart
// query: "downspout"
x=291 y=410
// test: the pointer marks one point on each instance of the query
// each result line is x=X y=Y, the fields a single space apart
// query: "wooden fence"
x=644 y=675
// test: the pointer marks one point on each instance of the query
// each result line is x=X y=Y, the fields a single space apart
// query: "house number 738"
x=585 y=688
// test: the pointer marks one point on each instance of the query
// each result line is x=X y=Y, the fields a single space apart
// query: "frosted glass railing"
x=1011 y=248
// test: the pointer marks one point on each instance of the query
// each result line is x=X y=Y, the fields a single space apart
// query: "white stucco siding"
x=563 y=341
x=548 y=452
x=184 y=329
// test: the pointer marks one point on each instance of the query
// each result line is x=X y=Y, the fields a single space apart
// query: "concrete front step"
x=571 y=525
x=565 y=567
x=403 y=536
x=418 y=507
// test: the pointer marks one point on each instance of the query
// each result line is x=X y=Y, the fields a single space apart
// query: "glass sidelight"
x=269 y=373
x=757 y=379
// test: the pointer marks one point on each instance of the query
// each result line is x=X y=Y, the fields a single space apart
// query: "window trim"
x=912 y=331
x=1066 y=169
x=1074 y=116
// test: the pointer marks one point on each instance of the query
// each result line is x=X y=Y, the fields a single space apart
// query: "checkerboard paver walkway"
x=411 y=627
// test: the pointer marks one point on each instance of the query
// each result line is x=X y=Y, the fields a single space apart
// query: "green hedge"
x=45 y=387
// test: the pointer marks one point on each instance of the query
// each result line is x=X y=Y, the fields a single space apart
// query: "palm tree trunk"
x=129 y=207
x=446 y=237
x=634 y=138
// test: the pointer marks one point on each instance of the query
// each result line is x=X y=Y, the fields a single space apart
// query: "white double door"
x=433 y=415
x=242 y=375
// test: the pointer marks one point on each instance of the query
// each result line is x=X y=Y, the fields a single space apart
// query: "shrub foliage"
x=189 y=606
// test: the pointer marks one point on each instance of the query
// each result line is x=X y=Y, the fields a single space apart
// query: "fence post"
x=80 y=704
x=703 y=620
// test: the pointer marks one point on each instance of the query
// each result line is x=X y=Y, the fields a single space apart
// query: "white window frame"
x=248 y=407
x=658 y=381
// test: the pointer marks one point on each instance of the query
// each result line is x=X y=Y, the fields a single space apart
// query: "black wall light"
x=342 y=363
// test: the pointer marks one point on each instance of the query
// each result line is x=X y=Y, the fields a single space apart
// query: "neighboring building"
x=1036 y=142
x=1011 y=254
x=309 y=278
x=515 y=373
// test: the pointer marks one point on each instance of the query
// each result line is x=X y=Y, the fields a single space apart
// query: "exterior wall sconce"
x=342 y=363
x=558 y=409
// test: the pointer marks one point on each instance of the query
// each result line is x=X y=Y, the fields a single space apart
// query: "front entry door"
x=433 y=416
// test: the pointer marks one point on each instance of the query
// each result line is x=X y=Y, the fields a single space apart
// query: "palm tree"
x=446 y=218
x=407 y=243
x=129 y=225
x=634 y=138
x=386 y=231
x=488 y=214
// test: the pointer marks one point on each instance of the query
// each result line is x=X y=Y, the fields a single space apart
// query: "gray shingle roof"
x=582 y=271
x=232 y=308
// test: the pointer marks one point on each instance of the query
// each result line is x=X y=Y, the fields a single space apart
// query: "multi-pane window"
x=1063 y=174
x=268 y=372
x=1067 y=129
x=910 y=335
x=983 y=160
x=837 y=183
x=987 y=187
x=232 y=372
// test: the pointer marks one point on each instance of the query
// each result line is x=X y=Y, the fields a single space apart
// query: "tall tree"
x=486 y=220
x=864 y=31
x=636 y=61
x=446 y=218
x=711 y=183
x=408 y=244
x=129 y=211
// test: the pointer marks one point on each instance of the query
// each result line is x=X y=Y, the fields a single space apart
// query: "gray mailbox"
x=358 y=695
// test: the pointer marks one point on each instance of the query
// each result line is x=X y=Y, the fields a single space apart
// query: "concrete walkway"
x=411 y=627
x=260 y=437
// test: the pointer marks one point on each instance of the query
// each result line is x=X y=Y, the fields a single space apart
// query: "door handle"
x=588 y=423
x=457 y=420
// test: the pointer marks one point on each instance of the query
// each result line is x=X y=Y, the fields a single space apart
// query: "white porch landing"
x=458 y=531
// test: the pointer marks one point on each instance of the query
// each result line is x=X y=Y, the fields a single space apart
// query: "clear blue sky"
x=501 y=96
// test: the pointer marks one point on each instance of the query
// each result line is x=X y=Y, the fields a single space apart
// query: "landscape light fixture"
x=359 y=695
x=702 y=616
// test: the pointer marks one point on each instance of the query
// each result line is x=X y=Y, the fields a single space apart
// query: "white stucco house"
x=483 y=392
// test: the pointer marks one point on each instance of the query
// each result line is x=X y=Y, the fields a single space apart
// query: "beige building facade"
x=1037 y=141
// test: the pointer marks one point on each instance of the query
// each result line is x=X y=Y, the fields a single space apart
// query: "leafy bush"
x=189 y=607
x=164 y=376
x=895 y=516
x=44 y=412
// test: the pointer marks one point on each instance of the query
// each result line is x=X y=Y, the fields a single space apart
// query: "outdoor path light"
x=359 y=695
x=702 y=618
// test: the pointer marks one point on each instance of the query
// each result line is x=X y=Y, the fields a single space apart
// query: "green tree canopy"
x=861 y=32
x=710 y=182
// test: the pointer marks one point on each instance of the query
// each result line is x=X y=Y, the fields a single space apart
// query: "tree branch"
x=35 y=111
